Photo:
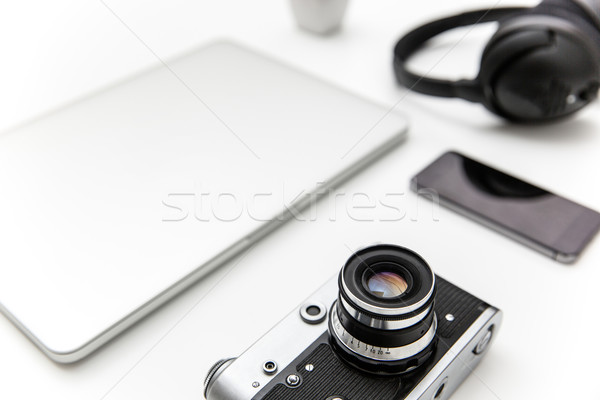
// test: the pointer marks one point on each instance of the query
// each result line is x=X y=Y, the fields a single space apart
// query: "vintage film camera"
x=393 y=330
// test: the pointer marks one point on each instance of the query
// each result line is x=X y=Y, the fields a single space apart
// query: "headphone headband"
x=467 y=89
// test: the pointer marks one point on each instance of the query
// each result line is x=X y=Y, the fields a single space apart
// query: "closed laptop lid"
x=112 y=205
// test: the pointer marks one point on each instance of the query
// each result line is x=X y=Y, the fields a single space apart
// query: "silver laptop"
x=113 y=205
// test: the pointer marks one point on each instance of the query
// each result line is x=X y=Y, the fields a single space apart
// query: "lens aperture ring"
x=380 y=352
x=385 y=337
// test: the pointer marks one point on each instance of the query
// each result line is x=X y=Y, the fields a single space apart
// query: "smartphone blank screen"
x=558 y=227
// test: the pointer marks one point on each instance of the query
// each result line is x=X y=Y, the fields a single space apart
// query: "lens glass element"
x=386 y=285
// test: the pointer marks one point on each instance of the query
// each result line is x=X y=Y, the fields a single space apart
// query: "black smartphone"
x=549 y=223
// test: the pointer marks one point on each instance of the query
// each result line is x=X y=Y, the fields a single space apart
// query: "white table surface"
x=54 y=52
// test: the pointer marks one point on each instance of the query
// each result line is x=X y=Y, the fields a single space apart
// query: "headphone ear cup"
x=539 y=67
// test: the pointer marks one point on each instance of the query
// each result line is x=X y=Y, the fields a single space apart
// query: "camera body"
x=311 y=355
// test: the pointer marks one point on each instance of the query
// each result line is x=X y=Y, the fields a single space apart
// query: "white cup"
x=319 y=16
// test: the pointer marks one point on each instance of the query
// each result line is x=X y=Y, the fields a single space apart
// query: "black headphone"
x=542 y=63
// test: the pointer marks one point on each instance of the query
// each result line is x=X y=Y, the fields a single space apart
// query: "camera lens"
x=384 y=321
x=386 y=284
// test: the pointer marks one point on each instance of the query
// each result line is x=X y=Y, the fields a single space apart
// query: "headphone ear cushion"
x=569 y=9
x=540 y=67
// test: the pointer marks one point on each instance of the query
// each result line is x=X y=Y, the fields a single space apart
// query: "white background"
x=54 y=52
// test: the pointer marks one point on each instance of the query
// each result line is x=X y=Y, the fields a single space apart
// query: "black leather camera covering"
x=333 y=377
